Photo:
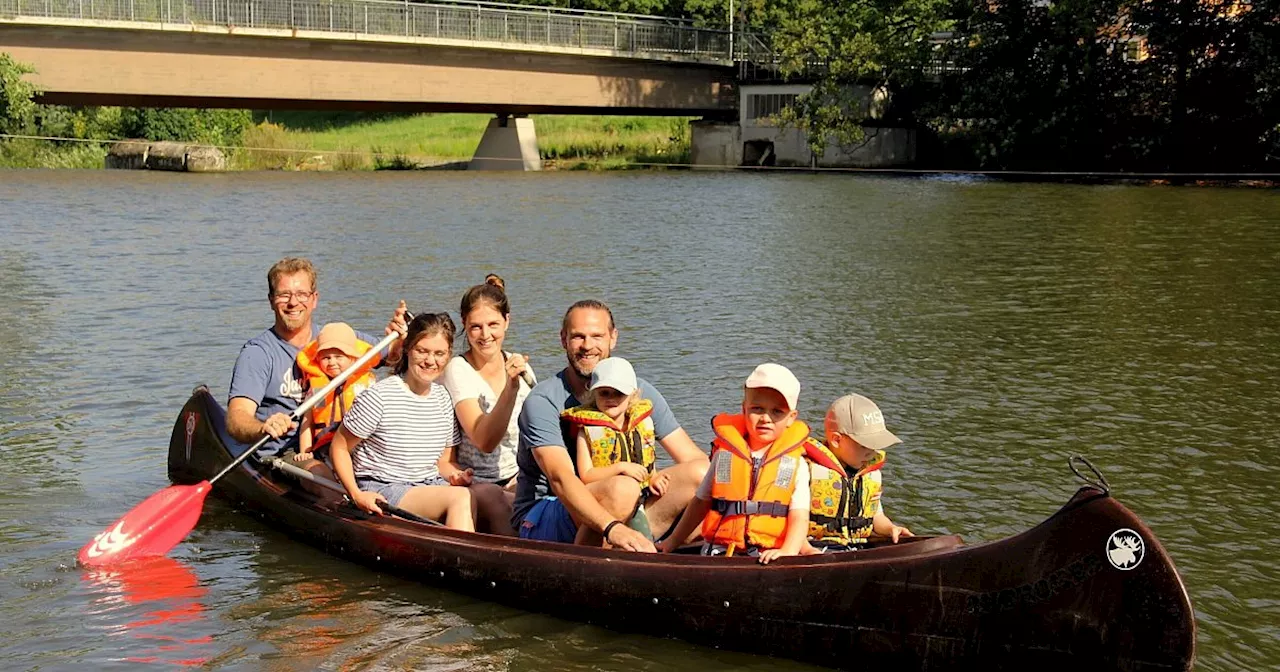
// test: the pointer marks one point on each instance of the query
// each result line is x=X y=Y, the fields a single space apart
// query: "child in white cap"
x=614 y=433
x=845 y=510
x=333 y=351
x=615 y=436
x=754 y=499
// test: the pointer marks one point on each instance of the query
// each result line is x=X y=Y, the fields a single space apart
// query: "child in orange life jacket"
x=614 y=434
x=846 y=510
x=333 y=352
x=755 y=497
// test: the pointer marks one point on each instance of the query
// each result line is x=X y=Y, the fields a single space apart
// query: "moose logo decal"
x=1125 y=549
x=191 y=430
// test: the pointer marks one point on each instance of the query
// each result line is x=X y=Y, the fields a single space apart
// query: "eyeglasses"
x=286 y=297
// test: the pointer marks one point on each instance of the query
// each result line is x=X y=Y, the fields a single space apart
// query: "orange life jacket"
x=327 y=415
x=750 y=499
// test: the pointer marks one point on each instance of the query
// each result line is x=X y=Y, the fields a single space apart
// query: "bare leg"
x=618 y=495
x=317 y=468
x=663 y=511
x=451 y=504
x=493 y=507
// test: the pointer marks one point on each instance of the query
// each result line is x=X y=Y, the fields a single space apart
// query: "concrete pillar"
x=509 y=143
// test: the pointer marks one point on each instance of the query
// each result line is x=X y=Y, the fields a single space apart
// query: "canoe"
x=1089 y=588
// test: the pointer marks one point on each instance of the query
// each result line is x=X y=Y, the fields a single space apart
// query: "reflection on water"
x=1000 y=327
x=169 y=595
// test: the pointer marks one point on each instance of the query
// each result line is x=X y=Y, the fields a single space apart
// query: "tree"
x=1212 y=74
x=17 y=109
x=1134 y=85
x=841 y=44
x=216 y=127
x=1042 y=86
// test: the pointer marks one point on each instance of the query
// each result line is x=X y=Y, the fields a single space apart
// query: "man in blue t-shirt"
x=552 y=503
x=266 y=386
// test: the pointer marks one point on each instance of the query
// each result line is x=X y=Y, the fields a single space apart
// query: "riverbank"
x=348 y=141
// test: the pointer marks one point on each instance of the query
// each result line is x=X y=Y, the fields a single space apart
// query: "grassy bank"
x=323 y=141
x=354 y=141
x=25 y=153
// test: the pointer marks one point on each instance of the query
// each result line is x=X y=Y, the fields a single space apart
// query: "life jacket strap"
x=728 y=507
x=849 y=525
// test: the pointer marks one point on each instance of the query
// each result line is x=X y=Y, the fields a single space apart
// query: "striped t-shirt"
x=403 y=434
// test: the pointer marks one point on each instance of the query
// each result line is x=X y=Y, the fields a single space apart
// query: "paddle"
x=163 y=519
x=299 y=472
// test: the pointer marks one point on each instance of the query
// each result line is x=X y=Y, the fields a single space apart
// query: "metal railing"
x=625 y=34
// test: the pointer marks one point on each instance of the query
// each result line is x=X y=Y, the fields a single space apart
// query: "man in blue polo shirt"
x=552 y=503
x=266 y=386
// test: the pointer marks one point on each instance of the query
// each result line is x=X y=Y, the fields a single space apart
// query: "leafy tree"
x=1181 y=85
x=215 y=127
x=841 y=44
x=1042 y=86
x=1213 y=77
x=89 y=123
x=17 y=111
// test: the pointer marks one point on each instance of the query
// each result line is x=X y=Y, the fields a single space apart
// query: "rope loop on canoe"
x=1100 y=482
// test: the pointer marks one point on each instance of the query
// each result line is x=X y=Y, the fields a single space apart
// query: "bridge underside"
x=184 y=67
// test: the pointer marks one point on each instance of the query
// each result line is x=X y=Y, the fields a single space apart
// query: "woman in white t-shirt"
x=488 y=387
x=393 y=442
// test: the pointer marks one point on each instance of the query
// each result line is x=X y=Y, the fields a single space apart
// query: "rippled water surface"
x=1000 y=327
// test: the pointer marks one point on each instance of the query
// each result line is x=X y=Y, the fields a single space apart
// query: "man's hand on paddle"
x=368 y=502
x=628 y=539
x=278 y=425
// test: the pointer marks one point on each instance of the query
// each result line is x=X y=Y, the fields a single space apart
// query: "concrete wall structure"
x=79 y=65
x=755 y=139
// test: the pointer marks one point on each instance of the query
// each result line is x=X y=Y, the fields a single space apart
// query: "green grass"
x=369 y=140
x=27 y=153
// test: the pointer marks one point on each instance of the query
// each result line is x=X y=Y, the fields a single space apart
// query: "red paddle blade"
x=151 y=528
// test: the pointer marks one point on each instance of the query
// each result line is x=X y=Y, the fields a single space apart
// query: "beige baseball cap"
x=858 y=418
x=338 y=336
x=777 y=377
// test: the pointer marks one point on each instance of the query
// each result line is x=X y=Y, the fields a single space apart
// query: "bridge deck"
x=449 y=23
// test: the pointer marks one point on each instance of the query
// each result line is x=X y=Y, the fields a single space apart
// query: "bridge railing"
x=625 y=34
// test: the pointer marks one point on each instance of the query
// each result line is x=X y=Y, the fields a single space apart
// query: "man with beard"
x=552 y=503
x=266 y=385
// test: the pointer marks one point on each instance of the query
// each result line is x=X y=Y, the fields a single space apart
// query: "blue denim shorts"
x=548 y=520
x=394 y=492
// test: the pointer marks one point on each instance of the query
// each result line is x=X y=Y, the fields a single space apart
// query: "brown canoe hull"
x=1050 y=598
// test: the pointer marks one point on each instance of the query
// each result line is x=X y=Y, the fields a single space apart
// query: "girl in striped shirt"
x=391 y=441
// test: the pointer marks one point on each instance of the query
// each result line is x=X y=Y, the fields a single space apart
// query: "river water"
x=1000 y=327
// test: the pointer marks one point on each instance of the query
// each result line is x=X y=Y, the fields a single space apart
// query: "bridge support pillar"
x=509 y=143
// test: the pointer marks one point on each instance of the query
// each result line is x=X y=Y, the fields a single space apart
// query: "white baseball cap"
x=614 y=372
x=777 y=377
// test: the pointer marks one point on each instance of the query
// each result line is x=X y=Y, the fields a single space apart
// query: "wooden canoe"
x=1090 y=588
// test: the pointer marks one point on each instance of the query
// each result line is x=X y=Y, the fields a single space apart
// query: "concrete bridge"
x=437 y=56
x=368 y=54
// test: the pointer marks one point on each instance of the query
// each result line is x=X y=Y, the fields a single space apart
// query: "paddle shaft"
x=282 y=465
x=316 y=398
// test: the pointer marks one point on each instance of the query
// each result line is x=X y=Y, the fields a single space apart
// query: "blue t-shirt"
x=267 y=373
x=540 y=425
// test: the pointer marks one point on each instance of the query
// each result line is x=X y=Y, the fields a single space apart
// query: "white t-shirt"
x=799 y=496
x=403 y=433
x=464 y=382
